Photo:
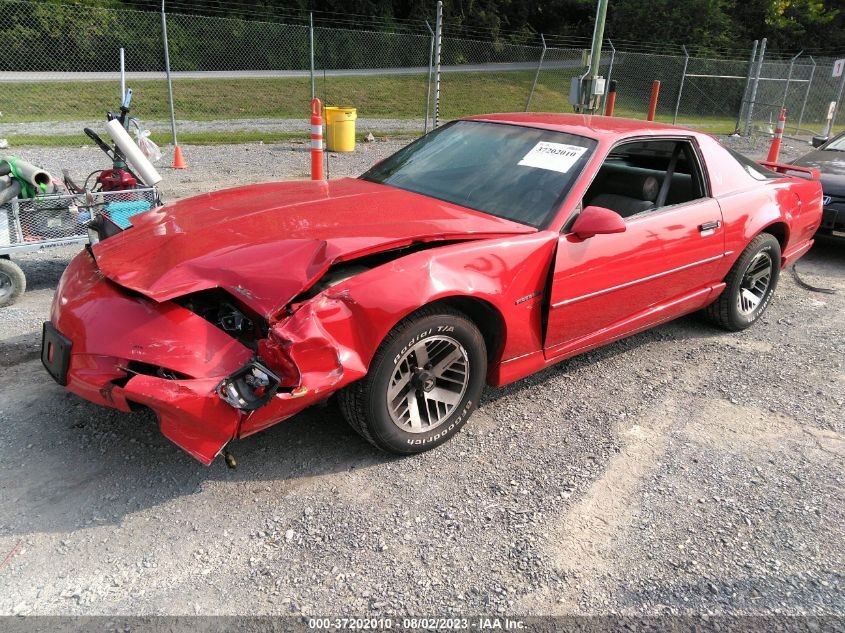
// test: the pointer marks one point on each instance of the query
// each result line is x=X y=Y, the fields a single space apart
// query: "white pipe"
x=28 y=172
x=139 y=163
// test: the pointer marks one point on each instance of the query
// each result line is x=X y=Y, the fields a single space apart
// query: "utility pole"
x=592 y=83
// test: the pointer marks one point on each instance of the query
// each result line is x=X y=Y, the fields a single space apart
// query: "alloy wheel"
x=755 y=283
x=427 y=383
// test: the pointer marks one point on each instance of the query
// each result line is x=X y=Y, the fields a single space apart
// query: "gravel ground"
x=682 y=470
x=213 y=167
x=363 y=124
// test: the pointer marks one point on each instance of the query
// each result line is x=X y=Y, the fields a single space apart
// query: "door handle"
x=709 y=226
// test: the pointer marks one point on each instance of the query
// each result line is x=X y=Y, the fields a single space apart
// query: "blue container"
x=120 y=212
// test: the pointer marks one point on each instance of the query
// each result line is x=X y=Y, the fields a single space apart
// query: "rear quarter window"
x=752 y=168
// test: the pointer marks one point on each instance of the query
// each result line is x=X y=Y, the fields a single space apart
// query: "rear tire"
x=12 y=282
x=751 y=284
x=423 y=383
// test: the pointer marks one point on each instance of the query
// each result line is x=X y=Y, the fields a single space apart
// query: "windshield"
x=837 y=144
x=510 y=171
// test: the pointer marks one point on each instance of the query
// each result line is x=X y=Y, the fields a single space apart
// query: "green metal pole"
x=598 y=38
x=591 y=103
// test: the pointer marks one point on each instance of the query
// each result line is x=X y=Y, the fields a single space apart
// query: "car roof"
x=584 y=124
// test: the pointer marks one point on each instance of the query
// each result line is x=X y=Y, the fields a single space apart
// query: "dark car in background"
x=829 y=159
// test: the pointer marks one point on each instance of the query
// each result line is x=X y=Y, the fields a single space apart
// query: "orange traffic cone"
x=178 y=159
x=774 y=150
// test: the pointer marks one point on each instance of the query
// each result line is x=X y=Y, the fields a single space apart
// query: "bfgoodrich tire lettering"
x=401 y=371
x=750 y=285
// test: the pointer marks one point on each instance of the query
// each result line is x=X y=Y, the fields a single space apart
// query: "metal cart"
x=58 y=220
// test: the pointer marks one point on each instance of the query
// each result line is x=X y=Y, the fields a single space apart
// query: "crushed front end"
x=208 y=367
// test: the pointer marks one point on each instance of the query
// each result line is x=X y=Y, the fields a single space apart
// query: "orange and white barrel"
x=317 y=172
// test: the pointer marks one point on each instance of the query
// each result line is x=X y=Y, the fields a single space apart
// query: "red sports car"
x=491 y=248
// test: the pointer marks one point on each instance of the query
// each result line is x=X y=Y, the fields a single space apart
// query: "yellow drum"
x=340 y=128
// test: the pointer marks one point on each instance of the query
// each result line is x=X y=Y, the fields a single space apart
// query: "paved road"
x=281 y=74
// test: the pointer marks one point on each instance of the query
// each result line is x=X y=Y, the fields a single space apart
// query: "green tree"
x=705 y=24
x=792 y=25
x=715 y=25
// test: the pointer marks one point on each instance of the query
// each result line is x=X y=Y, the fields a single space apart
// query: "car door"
x=664 y=264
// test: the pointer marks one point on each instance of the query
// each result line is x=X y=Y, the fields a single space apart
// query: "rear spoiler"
x=801 y=172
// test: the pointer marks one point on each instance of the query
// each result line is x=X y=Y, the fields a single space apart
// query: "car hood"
x=267 y=243
x=831 y=164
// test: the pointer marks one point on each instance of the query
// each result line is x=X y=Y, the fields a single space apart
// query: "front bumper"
x=117 y=348
x=125 y=349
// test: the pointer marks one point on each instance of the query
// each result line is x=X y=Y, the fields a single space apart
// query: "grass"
x=384 y=96
x=396 y=97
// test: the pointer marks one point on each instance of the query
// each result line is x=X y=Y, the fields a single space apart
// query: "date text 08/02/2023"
x=480 y=623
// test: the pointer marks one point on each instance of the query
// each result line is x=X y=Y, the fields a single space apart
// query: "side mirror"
x=818 y=141
x=597 y=221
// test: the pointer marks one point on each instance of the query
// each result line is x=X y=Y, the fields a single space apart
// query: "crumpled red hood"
x=267 y=243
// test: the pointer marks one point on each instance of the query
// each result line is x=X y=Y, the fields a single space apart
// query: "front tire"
x=751 y=284
x=424 y=382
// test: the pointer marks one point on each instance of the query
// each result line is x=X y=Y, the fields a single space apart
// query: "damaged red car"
x=489 y=249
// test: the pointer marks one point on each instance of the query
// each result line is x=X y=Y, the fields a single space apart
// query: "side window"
x=643 y=176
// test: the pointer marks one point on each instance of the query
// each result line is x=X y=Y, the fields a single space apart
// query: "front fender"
x=333 y=337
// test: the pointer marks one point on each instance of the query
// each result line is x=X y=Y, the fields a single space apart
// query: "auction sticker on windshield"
x=553 y=156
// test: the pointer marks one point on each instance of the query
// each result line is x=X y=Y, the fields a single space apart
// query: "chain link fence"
x=60 y=72
x=386 y=71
